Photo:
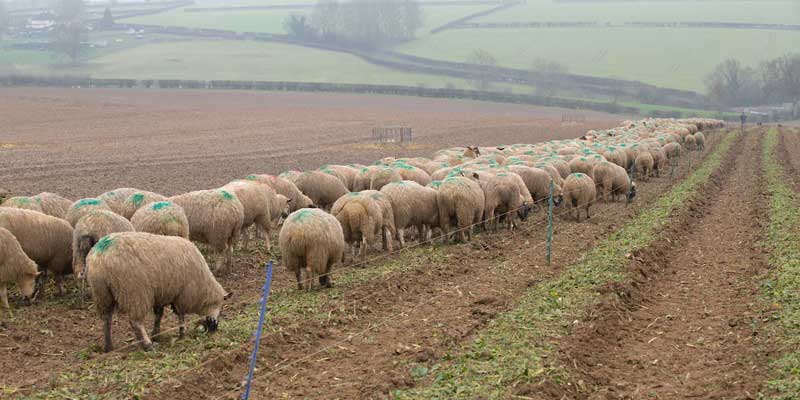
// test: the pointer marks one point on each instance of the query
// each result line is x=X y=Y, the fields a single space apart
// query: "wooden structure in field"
x=392 y=134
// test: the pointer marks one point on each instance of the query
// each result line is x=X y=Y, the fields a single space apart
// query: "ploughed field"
x=682 y=316
x=80 y=143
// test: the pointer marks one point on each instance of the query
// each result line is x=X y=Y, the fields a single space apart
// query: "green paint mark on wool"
x=251 y=177
x=104 y=244
x=502 y=174
x=302 y=215
x=226 y=195
x=22 y=200
x=352 y=194
x=137 y=199
x=88 y=202
x=580 y=175
x=436 y=184
x=160 y=205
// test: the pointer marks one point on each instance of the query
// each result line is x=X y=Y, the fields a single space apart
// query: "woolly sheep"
x=374 y=177
x=89 y=230
x=54 y=205
x=138 y=273
x=23 y=203
x=411 y=173
x=161 y=218
x=386 y=221
x=579 y=191
x=412 y=205
x=611 y=179
x=361 y=220
x=538 y=183
x=323 y=189
x=15 y=268
x=673 y=150
x=459 y=199
x=502 y=196
x=471 y=152
x=115 y=199
x=644 y=165
x=659 y=160
x=582 y=165
x=255 y=199
x=700 y=140
x=138 y=200
x=83 y=206
x=345 y=172
x=690 y=142
x=46 y=240
x=297 y=199
x=215 y=218
x=311 y=240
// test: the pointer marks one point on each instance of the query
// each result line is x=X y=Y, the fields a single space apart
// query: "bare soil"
x=690 y=323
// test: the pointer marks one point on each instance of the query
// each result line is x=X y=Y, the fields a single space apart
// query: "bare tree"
x=108 y=20
x=547 y=72
x=366 y=23
x=297 y=26
x=781 y=78
x=485 y=62
x=731 y=84
x=68 y=39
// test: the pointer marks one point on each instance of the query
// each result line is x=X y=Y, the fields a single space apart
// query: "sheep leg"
x=401 y=237
x=159 y=313
x=267 y=234
x=387 y=240
x=229 y=258
x=141 y=335
x=310 y=278
x=59 y=278
x=4 y=296
x=587 y=212
x=107 y=345
x=182 y=325
x=298 y=274
x=41 y=282
x=245 y=239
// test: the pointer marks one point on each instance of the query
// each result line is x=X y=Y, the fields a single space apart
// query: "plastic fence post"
x=259 y=329
x=550 y=222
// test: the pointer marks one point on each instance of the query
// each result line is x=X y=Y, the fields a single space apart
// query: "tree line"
x=358 y=23
x=774 y=81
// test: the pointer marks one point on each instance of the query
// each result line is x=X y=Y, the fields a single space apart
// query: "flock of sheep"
x=133 y=247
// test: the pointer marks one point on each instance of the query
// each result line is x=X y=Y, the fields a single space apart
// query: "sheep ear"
x=476 y=176
x=227 y=296
x=288 y=200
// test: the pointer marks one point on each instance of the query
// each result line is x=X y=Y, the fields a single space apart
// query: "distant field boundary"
x=612 y=25
x=304 y=6
x=468 y=17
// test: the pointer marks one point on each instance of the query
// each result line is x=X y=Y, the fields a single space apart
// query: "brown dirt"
x=83 y=142
x=789 y=155
x=690 y=323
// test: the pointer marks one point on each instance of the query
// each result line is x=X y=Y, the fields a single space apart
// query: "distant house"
x=40 y=24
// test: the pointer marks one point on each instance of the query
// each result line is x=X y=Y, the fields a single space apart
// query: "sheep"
x=313 y=240
x=659 y=160
x=255 y=199
x=115 y=199
x=538 y=181
x=81 y=207
x=471 y=152
x=644 y=165
x=215 y=218
x=673 y=150
x=161 y=218
x=611 y=179
x=138 y=200
x=23 y=203
x=89 y=230
x=323 y=189
x=137 y=273
x=579 y=191
x=15 y=268
x=297 y=199
x=54 y=205
x=460 y=199
x=700 y=140
x=345 y=172
x=502 y=195
x=690 y=142
x=411 y=173
x=360 y=219
x=582 y=165
x=46 y=240
x=374 y=177
x=412 y=205
x=384 y=222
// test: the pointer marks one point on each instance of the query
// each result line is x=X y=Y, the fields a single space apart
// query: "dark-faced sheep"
x=311 y=240
x=460 y=200
x=46 y=240
x=215 y=218
x=579 y=192
x=138 y=273
x=162 y=218
x=83 y=206
x=89 y=230
x=15 y=268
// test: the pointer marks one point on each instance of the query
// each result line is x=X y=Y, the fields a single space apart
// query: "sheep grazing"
x=138 y=200
x=579 y=191
x=611 y=179
x=383 y=222
x=644 y=165
x=460 y=200
x=412 y=205
x=89 y=230
x=115 y=199
x=54 y=205
x=138 y=273
x=471 y=152
x=690 y=142
x=659 y=160
x=161 y=218
x=297 y=199
x=673 y=150
x=700 y=140
x=323 y=189
x=255 y=199
x=83 y=206
x=502 y=196
x=582 y=165
x=215 y=218
x=23 y=203
x=311 y=240
x=345 y=173
x=46 y=240
x=538 y=181
x=361 y=220
x=15 y=268
x=411 y=173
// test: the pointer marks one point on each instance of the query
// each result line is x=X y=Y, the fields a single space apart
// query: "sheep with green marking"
x=297 y=199
x=644 y=165
x=54 y=205
x=138 y=200
x=413 y=205
x=579 y=192
x=23 y=203
x=255 y=199
x=384 y=222
x=311 y=240
x=89 y=230
x=460 y=201
x=612 y=180
x=345 y=173
x=361 y=222
x=46 y=240
x=502 y=197
x=162 y=218
x=115 y=199
x=215 y=218
x=16 y=268
x=83 y=206
x=537 y=181
x=323 y=189
x=411 y=173
x=138 y=273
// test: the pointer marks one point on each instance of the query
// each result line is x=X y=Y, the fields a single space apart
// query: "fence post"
x=259 y=329
x=630 y=183
x=550 y=222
